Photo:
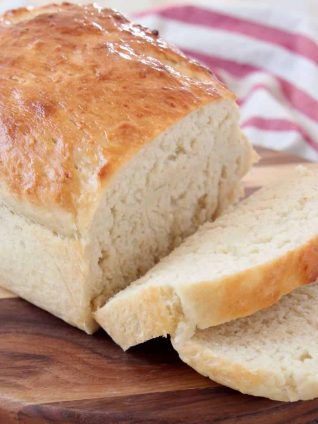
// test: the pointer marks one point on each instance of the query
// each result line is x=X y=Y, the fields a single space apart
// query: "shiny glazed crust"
x=82 y=89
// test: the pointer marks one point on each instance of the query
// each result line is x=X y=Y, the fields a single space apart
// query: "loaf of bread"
x=272 y=353
x=244 y=261
x=113 y=148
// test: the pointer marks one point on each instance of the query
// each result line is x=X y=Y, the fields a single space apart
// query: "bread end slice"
x=272 y=354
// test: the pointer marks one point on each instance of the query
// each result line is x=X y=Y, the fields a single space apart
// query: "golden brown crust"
x=81 y=90
x=254 y=289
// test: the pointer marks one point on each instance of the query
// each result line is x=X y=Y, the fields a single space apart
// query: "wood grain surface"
x=53 y=373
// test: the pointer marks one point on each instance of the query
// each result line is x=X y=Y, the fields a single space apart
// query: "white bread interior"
x=273 y=353
x=244 y=261
x=186 y=176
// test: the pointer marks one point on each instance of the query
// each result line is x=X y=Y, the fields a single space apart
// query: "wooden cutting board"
x=53 y=373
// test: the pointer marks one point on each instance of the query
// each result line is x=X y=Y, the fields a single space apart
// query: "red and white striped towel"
x=267 y=56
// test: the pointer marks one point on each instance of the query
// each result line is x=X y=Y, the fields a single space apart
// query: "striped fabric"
x=267 y=56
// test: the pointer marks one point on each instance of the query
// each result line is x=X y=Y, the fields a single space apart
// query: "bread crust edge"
x=143 y=313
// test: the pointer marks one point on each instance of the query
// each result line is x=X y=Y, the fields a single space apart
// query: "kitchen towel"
x=266 y=53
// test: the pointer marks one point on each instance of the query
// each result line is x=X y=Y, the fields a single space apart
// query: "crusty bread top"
x=81 y=90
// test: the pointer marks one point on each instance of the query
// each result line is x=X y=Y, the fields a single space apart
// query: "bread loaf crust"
x=82 y=89
x=114 y=147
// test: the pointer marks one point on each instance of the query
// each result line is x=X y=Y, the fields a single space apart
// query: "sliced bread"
x=273 y=353
x=243 y=262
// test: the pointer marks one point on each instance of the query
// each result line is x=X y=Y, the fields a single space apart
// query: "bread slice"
x=273 y=353
x=113 y=148
x=244 y=261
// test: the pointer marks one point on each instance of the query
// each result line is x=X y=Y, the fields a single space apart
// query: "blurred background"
x=131 y=6
x=266 y=51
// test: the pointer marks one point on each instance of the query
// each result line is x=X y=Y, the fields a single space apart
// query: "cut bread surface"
x=273 y=353
x=244 y=261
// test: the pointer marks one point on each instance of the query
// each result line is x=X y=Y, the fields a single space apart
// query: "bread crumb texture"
x=244 y=261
